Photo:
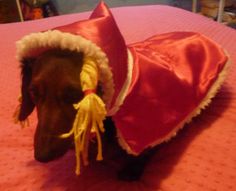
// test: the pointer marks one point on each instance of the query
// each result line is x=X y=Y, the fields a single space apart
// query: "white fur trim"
x=32 y=44
x=205 y=102
x=124 y=145
x=123 y=93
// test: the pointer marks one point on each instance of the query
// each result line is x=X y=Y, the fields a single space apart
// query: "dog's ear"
x=27 y=105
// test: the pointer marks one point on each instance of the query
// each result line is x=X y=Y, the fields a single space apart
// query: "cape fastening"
x=90 y=115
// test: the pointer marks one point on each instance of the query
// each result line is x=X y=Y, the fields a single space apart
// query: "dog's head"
x=51 y=83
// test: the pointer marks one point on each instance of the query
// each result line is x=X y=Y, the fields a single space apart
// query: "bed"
x=201 y=157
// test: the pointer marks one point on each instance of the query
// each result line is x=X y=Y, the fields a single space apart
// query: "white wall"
x=74 y=6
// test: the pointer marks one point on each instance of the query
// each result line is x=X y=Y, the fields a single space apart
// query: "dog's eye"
x=72 y=95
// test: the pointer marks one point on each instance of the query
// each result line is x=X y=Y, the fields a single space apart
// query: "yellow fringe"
x=90 y=115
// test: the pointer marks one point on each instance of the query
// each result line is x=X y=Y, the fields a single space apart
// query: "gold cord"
x=91 y=112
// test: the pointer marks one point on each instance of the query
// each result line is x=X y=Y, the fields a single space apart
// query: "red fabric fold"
x=173 y=73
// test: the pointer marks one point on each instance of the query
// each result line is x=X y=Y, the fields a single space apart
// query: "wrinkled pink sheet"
x=201 y=157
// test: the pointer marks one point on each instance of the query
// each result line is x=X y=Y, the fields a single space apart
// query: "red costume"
x=151 y=88
x=173 y=77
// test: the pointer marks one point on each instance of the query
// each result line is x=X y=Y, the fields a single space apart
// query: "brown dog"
x=51 y=84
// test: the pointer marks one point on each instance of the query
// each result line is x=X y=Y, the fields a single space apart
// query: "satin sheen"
x=172 y=74
x=102 y=30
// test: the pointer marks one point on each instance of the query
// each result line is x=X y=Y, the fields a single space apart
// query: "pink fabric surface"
x=201 y=157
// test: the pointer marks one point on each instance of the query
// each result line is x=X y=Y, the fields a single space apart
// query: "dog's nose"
x=48 y=155
x=49 y=148
x=44 y=156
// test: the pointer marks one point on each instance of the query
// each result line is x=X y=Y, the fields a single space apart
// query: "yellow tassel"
x=16 y=114
x=91 y=112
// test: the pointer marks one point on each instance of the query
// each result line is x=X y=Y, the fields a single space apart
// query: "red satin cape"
x=172 y=74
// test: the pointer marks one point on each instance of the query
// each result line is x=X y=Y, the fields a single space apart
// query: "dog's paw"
x=131 y=172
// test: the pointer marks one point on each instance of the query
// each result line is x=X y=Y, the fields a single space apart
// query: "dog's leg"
x=134 y=166
x=110 y=131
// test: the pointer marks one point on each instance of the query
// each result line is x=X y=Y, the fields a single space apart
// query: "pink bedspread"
x=201 y=157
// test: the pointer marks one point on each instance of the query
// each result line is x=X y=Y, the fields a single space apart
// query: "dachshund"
x=51 y=84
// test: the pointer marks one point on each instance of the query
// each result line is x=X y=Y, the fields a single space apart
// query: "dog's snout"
x=48 y=154
x=48 y=148
x=44 y=156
